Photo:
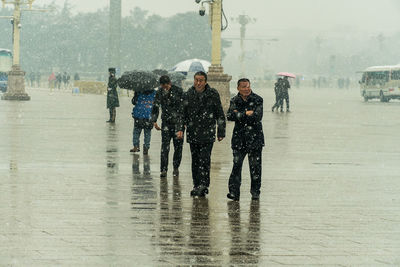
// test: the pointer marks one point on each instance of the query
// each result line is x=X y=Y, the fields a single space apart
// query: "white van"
x=382 y=82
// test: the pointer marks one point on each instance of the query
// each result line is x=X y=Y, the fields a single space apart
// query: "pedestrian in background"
x=141 y=113
x=52 y=80
x=32 y=78
x=202 y=111
x=65 y=79
x=170 y=99
x=285 y=93
x=112 y=95
x=246 y=110
x=278 y=93
x=58 y=80
x=76 y=77
x=38 y=79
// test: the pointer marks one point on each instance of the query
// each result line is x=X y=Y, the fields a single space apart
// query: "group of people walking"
x=199 y=113
x=281 y=88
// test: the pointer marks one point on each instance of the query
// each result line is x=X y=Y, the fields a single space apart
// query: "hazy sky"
x=276 y=15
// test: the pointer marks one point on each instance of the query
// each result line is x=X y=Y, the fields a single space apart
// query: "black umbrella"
x=177 y=78
x=160 y=72
x=138 y=81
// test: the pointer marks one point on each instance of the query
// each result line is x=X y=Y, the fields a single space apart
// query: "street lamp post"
x=114 y=46
x=243 y=20
x=216 y=76
x=16 y=83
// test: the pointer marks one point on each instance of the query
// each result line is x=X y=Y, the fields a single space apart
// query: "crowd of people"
x=59 y=80
x=199 y=113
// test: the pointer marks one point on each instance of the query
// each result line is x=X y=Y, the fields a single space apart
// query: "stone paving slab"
x=72 y=194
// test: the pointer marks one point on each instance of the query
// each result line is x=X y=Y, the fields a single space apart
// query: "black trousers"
x=235 y=180
x=286 y=98
x=168 y=133
x=113 y=113
x=201 y=162
x=277 y=102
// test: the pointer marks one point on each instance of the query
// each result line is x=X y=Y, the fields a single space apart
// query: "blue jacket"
x=143 y=105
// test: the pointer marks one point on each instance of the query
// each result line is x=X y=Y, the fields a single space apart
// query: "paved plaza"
x=71 y=193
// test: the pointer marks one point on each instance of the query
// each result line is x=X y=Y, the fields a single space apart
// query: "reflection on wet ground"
x=72 y=194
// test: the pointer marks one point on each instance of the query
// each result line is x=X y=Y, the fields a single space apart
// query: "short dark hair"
x=201 y=73
x=165 y=79
x=242 y=80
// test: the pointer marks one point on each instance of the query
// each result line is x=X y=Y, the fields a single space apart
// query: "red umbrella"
x=287 y=74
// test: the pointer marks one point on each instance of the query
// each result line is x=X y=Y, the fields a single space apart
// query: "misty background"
x=314 y=37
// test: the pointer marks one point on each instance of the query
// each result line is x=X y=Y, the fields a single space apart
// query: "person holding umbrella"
x=143 y=83
x=285 y=93
x=112 y=95
x=285 y=89
x=170 y=99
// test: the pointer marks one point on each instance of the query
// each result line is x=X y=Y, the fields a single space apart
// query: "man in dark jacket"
x=285 y=93
x=170 y=98
x=278 y=93
x=246 y=110
x=202 y=112
x=112 y=95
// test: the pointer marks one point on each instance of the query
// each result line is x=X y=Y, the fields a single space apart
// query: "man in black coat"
x=170 y=98
x=285 y=93
x=246 y=110
x=202 y=111
x=112 y=95
x=278 y=93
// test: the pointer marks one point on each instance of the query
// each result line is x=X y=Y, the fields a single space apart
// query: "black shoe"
x=163 y=174
x=272 y=109
x=135 y=149
x=232 y=196
x=255 y=197
x=193 y=192
x=199 y=191
x=204 y=191
x=109 y=121
x=175 y=172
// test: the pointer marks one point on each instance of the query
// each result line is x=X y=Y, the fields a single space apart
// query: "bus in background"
x=381 y=82
x=5 y=67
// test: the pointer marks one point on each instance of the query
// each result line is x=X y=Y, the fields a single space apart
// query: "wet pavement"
x=72 y=194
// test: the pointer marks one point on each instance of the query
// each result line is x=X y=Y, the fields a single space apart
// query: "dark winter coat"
x=202 y=112
x=278 y=89
x=171 y=103
x=248 y=131
x=285 y=87
x=112 y=94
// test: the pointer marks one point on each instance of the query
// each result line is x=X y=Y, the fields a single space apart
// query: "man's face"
x=244 y=89
x=199 y=82
x=166 y=86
